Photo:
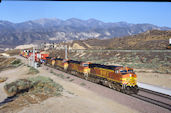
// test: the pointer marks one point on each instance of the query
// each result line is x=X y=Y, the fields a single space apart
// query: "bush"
x=71 y=80
x=18 y=86
x=38 y=85
x=3 y=79
x=83 y=84
x=51 y=71
x=67 y=77
x=46 y=85
x=33 y=70
x=16 y=63
x=59 y=75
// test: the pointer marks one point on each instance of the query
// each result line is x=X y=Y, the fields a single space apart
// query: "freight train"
x=120 y=78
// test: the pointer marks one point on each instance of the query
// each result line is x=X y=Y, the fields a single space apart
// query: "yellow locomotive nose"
x=129 y=79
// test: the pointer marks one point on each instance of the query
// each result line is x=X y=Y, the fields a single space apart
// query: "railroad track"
x=155 y=93
x=154 y=101
x=150 y=100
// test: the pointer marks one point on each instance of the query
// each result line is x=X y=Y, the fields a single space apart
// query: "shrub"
x=18 y=86
x=60 y=75
x=71 y=80
x=83 y=84
x=67 y=77
x=16 y=63
x=51 y=71
x=39 y=84
x=3 y=79
x=33 y=70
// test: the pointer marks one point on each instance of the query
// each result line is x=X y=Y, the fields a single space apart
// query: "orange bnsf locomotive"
x=120 y=78
x=116 y=77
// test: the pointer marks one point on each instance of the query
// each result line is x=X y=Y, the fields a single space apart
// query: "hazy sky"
x=158 y=13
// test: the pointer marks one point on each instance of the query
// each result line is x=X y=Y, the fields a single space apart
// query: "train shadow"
x=12 y=98
x=8 y=99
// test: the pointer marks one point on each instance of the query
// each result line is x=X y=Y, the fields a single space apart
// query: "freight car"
x=39 y=56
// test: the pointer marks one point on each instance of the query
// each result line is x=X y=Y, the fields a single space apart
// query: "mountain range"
x=57 y=30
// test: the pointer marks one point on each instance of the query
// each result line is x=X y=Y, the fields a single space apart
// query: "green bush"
x=51 y=71
x=71 y=80
x=16 y=87
x=39 y=84
x=45 y=85
x=59 y=75
x=83 y=84
x=33 y=70
x=17 y=61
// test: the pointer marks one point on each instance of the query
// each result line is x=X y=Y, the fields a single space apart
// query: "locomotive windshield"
x=130 y=71
x=85 y=65
x=123 y=71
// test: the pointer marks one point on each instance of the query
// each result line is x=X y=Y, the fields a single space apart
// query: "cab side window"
x=116 y=71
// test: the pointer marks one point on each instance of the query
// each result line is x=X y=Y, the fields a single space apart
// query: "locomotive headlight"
x=130 y=75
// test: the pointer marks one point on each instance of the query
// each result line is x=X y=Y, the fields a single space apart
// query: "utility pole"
x=66 y=52
x=29 y=61
x=33 y=60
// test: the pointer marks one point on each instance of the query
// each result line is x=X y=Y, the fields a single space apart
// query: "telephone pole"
x=66 y=52
x=33 y=62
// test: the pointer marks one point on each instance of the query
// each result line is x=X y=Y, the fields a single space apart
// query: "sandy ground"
x=75 y=99
x=162 y=80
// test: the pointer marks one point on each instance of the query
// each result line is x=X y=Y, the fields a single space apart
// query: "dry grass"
x=33 y=70
x=13 y=52
x=8 y=63
x=30 y=91
x=3 y=79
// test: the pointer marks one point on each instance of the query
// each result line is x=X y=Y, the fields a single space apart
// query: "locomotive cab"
x=129 y=79
x=85 y=64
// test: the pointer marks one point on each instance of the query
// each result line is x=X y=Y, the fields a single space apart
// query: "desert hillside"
x=154 y=39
